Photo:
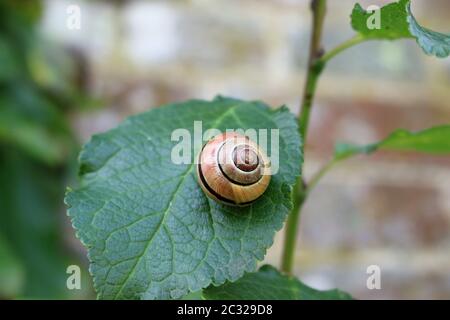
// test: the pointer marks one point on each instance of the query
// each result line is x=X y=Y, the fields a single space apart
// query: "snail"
x=233 y=170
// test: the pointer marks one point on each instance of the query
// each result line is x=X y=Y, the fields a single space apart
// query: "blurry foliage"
x=38 y=85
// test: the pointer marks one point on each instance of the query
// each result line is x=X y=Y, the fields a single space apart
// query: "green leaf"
x=193 y=296
x=393 y=19
x=397 y=21
x=432 y=42
x=269 y=284
x=150 y=230
x=435 y=140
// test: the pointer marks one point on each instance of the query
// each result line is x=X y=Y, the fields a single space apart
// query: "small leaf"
x=397 y=21
x=150 y=230
x=393 y=18
x=269 y=284
x=435 y=140
x=432 y=42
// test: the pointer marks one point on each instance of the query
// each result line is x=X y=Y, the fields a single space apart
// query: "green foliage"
x=150 y=230
x=28 y=197
x=36 y=147
x=393 y=21
x=33 y=138
x=397 y=21
x=432 y=42
x=434 y=140
x=269 y=284
x=11 y=271
x=9 y=68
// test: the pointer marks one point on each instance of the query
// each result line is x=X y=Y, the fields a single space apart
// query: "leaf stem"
x=358 y=38
x=319 y=174
x=317 y=61
x=315 y=67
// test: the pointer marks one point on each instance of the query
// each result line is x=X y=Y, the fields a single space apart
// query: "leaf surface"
x=435 y=140
x=432 y=42
x=150 y=230
x=269 y=284
x=397 y=21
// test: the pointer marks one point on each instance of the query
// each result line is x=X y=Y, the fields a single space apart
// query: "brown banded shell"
x=232 y=169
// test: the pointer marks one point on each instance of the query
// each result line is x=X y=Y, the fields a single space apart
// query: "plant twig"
x=343 y=46
x=315 y=67
x=292 y=227
x=319 y=174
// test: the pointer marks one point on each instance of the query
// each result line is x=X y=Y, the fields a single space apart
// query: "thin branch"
x=343 y=46
x=319 y=174
x=314 y=70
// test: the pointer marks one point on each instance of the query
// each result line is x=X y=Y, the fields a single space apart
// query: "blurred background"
x=60 y=85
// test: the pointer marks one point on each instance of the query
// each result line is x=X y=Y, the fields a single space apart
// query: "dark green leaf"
x=269 y=284
x=150 y=230
x=435 y=140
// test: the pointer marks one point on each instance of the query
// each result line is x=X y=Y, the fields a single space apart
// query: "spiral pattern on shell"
x=233 y=169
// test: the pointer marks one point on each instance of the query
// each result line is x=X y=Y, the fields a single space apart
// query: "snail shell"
x=232 y=169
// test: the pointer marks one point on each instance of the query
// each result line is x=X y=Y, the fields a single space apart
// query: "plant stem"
x=319 y=174
x=291 y=228
x=343 y=46
x=315 y=67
